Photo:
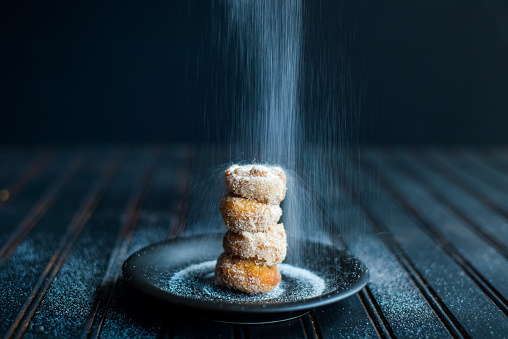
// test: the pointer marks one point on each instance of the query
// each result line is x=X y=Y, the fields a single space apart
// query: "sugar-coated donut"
x=257 y=182
x=267 y=248
x=241 y=214
x=245 y=275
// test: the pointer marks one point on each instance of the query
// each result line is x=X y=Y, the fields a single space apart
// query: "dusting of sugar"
x=257 y=182
x=268 y=247
x=242 y=214
x=397 y=296
x=196 y=282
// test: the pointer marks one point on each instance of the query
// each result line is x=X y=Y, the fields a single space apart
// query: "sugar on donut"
x=241 y=214
x=267 y=248
x=255 y=242
x=257 y=182
x=245 y=275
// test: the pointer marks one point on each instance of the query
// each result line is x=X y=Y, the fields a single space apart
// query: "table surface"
x=431 y=225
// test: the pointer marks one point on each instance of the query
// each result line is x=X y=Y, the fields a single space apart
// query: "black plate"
x=180 y=271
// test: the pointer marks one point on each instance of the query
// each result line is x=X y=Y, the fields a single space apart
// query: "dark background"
x=425 y=72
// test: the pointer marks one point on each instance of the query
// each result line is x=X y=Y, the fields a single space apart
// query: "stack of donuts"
x=254 y=243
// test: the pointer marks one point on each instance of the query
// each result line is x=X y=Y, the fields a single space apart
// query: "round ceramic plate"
x=181 y=272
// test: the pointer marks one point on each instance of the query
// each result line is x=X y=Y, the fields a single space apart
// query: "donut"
x=257 y=182
x=242 y=214
x=267 y=248
x=245 y=275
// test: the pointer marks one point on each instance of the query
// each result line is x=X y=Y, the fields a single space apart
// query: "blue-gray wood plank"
x=430 y=224
x=440 y=272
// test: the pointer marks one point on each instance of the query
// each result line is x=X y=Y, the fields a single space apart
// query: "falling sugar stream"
x=268 y=35
x=268 y=128
x=278 y=97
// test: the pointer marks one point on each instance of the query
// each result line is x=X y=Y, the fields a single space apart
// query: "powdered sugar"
x=242 y=214
x=257 y=182
x=196 y=282
x=268 y=248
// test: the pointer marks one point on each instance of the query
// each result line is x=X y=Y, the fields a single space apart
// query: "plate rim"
x=282 y=307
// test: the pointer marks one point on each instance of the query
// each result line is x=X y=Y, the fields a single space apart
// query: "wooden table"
x=432 y=226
